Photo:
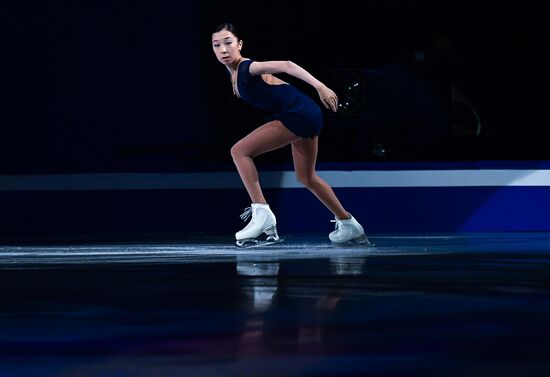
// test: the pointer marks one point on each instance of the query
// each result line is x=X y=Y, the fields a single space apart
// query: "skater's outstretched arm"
x=327 y=96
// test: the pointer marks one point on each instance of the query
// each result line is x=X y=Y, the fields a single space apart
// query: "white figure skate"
x=263 y=222
x=348 y=230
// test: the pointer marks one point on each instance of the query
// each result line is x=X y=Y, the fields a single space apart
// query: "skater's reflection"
x=311 y=336
x=260 y=285
x=286 y=312
x=344 y=265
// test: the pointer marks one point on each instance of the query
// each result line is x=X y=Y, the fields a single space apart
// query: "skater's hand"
x=328 y=97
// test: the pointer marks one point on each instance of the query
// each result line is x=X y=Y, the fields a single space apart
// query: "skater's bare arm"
x=327 y=96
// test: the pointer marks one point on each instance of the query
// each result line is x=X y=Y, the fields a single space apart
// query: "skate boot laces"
x=339 y=231
x=246 y=215
x=337 y=225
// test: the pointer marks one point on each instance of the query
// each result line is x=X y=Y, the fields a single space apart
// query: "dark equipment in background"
x=390 y=114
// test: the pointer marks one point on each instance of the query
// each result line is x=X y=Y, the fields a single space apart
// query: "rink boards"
x=428 y=197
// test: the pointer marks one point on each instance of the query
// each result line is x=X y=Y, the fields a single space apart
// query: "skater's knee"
x=241 y=149
x=237 y=151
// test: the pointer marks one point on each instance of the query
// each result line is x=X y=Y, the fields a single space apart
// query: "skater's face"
x=226 y=46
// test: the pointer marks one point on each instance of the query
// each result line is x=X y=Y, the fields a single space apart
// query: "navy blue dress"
x=297 y=111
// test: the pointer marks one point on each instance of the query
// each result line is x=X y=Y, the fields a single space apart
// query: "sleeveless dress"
x=296 y=110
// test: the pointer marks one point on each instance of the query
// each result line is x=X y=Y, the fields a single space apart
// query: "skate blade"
x=363 y=240
x=359 y=241
x=249 y=244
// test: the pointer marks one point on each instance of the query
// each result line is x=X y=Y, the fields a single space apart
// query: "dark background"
x=134 y=85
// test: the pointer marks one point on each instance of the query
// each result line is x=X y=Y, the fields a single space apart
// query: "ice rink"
x=474 y=304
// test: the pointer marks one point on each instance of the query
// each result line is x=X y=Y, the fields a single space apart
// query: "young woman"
x=296 y=119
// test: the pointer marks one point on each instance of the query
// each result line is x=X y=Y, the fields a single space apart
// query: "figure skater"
x=296 y=120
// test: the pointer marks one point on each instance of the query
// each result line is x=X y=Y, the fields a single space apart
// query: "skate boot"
x=263 y=221
x=348 y=230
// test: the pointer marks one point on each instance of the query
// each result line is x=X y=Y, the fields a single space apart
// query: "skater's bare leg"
x=272 y=135
x=304 y=153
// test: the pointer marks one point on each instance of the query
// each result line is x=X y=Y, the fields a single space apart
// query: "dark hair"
x=229 y=27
